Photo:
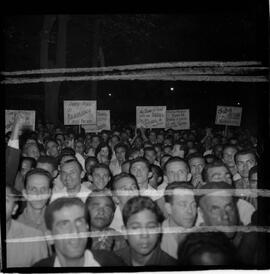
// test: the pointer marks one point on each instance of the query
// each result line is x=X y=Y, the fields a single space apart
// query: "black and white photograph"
x=136 y=141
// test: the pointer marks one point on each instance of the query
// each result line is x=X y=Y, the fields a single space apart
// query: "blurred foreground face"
x=219 y=209
x=67 y=220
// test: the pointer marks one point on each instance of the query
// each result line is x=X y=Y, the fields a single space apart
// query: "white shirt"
x=81 y=160
x=117 y=222
x=151 y=193
x=115 y=167
x=89 y=260
x=82 y=194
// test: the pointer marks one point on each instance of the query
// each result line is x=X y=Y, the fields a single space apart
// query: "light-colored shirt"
x=81 y=160
x=82 y=194
x=115 y=167
x=89 y=260
x=151 y=193
x=24 y=254
x=117 y=222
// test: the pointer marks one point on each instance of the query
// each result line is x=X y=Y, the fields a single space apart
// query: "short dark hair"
x=121 y=145
x=99 y=193
x=38 y=171
x=194 y=155
x=200 y=242
x=157 y=169
x=140 y=160
x=73 y=161
x=58 y=204
x=151 y=148
x=139 y=203
x=168 y=196
x=218 y=163
x=244 y=152
x=121 y=176
x=176 y=159
x=230 y=146
x=68 y=151
x=48 y=160
x=90 y=158
x=210 y=156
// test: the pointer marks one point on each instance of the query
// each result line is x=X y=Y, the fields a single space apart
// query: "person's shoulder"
x=47 y=262
x=166 y=259
x=25 y=230
x=107 y=258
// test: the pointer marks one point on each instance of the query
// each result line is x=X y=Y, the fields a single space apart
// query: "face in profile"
x=70 y=220
x=101 y=212
x=143 y=242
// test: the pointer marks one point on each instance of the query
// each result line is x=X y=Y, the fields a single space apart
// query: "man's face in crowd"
x=114 y=140
x=141 y=172
x=183 y=209
x=120 y=154
x=128 y=185
x=37 y=191
x=152 y=137
x=26 y=166
x=244 y=163
x=219 y=209
x=67 y=220
x=52 y=149
x=228 y=156
x=196 y=165
x=219 y=174
x=33 y=151
x=150 y=156
x=95 y=142
x=142 y=223
x=177 y=171
x=101 y=178
x=101 y=212
x=70 y=175
x=79 y=147
x=104 y=152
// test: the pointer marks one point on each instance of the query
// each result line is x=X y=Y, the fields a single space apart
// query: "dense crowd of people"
x=132 y=197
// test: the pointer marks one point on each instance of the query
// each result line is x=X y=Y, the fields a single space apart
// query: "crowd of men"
x=132 y=198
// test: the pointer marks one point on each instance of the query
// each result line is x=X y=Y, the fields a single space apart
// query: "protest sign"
x=30 y=117
x=178 y=119
x=80 y=112
x=228 y=116
x=103 y=122
x=151 y=116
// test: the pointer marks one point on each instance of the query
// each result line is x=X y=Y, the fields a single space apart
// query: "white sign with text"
x=30 y=118
x=151 y=116
x=103 y=122
x=228 y=116
x=80 y=112
x=178 y=119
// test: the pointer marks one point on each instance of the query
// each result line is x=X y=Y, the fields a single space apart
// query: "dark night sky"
x=133 y=39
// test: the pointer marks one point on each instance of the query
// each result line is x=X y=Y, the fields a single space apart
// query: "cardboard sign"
x=30 y=117
x=103 y=122
x=80 y=112
x=228 y=116
x=151 y=116
x=178 y=119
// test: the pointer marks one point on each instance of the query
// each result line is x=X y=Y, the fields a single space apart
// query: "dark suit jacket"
x=12 y=164
x=103 y=257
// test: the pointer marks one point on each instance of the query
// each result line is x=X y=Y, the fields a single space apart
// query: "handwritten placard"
x=151 y=116
x=80 y=112
x=229 y=116
x=30 y=118
x=178 y=119
x=103 y=122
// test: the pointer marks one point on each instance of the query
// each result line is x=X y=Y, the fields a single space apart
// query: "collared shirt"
x=117 y=222
x=28 y=219
x=171 y=241
x=151 y=193
x=88 y=260
x=82 y=194
x=24 y=254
